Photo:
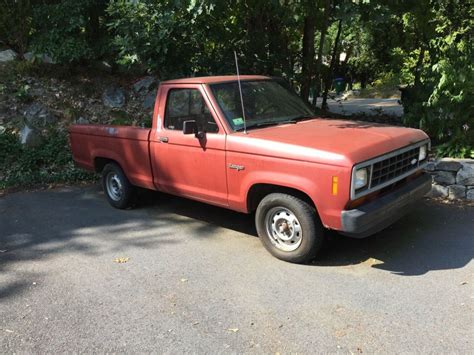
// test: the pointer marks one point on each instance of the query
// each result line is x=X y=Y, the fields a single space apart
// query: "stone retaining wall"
x=452 y=178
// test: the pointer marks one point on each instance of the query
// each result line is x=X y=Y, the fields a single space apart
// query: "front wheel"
x=119 y=191
x=289 y=228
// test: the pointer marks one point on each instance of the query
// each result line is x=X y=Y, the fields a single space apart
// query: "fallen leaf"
x=121 y=260
x=464 y=283
x=195 y=323
x=235 y=330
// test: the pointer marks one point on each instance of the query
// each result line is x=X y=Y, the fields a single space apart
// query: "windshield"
x=266 y=103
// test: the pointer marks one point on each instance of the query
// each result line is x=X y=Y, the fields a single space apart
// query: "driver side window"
x=185 y=105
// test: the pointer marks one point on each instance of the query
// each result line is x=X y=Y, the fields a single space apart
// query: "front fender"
x=312 y=179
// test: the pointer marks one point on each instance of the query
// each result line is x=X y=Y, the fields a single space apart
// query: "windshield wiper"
x=273 y=123
x=302 y=118
x=277 y=123
x=265 y=124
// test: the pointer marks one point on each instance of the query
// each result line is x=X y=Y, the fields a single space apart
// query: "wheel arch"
x=101 y=162
x=258 y=191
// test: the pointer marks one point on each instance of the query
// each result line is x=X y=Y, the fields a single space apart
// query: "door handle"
x=164 y=139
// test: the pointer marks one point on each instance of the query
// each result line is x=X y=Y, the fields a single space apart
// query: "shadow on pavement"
x=39 y=225
x=435 y=236
x=36 y=226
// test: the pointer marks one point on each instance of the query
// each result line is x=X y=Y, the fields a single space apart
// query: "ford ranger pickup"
x=264 y=152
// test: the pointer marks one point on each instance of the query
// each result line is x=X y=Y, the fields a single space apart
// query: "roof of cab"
x=214 y=79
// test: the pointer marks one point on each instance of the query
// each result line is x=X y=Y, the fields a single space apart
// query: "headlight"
x=360 y=178
x=423 y=153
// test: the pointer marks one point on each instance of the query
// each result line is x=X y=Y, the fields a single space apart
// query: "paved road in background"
x=198 y=280
x=368 y=107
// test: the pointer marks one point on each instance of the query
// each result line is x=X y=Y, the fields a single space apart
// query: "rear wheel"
x=118 y=190
x=289 y=228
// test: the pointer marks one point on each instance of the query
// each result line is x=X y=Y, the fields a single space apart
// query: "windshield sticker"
x=238 y=120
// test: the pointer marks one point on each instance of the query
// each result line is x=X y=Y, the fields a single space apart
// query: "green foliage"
x=15 y=23
x=69 y=30
x=23 y=93
x=443 y=104
x=149 y=33
x=51 y=162
x=183 y=38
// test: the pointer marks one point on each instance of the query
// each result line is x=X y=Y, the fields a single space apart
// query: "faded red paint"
x=303 y=156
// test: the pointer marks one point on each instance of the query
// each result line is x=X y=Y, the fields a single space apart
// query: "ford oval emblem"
x=413 y=162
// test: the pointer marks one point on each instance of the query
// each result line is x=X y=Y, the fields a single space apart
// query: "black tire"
x=118 y=190
x=275 y=221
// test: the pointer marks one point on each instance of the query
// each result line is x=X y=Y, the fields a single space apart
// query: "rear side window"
x=185 y=105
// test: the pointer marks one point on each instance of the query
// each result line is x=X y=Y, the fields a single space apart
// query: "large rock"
x=445 y=177
x=82 y=120
x=38 y=116
x=30 y=137
x=448 y=165
x=430 y=166
x=465 y=176
x=114 y=97
x=42 y=58
x=149 y=101
x=456 y=192
x=145 y=84
x=470 y=194
x=7 y=56
x=438 y=191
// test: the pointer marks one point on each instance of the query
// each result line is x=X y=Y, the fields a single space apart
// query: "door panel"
x=183 y=164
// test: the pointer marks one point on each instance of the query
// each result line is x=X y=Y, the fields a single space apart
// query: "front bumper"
x=374 y=216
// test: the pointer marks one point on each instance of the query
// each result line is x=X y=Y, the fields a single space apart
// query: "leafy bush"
x=152 y=34
x=443 y=104
x=15 y=23
x=51 y=162
x=69 y=30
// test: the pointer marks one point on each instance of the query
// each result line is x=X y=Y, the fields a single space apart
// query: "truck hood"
x=326 y=141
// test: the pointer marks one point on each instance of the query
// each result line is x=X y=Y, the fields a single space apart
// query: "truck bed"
x=128 y=146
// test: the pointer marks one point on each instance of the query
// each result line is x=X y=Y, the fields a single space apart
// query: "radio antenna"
x=240 y=91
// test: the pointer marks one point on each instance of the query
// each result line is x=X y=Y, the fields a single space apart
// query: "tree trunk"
x=322 y=38
x=334 y=60
x=307 y=55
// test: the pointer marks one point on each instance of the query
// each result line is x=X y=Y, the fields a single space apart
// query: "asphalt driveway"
x=198 y=280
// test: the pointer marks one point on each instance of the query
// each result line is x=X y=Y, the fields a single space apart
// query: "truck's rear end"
x=93 y=146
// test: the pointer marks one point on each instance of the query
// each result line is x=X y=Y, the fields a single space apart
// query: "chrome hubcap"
x=114 y=186
x=283 y=229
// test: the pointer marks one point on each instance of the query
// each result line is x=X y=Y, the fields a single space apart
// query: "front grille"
x=388 y=168
x=393 y=167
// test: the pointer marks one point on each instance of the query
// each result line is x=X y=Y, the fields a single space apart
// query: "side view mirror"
x=190 y=127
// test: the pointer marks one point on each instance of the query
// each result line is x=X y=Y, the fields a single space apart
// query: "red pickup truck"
x=300 y=174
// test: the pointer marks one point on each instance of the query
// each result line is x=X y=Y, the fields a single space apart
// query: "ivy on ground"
x=49 y=163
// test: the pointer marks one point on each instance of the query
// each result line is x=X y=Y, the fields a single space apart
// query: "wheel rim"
x=114 y=186
x=283 y=229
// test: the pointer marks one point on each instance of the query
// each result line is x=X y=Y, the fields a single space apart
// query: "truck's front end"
x=384 y=188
